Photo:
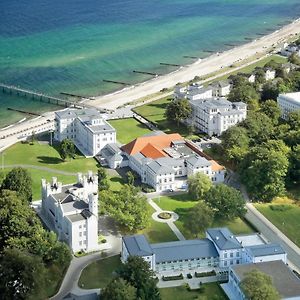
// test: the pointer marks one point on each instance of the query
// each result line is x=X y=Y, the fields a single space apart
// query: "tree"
x=245 y=93
x=269 y=91
x=102 y=179
x=67 y=149
x=22 y=276
x=127 y=206
x=264 y=169
x=235 y=143
x=272 y=110
x=294 y=59
x=119 y=289
x=294 y=171
x=32 y=137
x=198 y=185
x=259 y=127
x=260 y=76
x=294 y=120
x=257 y=286
x=19 y=180
x=227 y=202
x=178 y=110
x=137 y=272
x=130 y=178
x=199 y=218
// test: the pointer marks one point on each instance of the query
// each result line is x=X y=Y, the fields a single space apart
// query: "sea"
x=71 y=46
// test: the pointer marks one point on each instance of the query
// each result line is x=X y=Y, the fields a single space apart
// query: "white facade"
x=72 y=211
x=86 y=128
x=289 y=49
x=270 y=74
x=216 y=115
x=288 y=103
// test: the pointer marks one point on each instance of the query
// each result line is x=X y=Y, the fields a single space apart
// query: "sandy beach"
x=208 y=65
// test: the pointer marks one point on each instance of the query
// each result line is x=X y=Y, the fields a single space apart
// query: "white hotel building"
x=215 y=115
x=72 y=211
x=86 y=128
x=288 y=103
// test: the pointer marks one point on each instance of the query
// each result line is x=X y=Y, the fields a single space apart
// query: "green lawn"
x=212 y=291
x=98 y=274
x=115 y=182
x=37 y=175
x=181 y=204
x=43 y=155
x=154 y=112
x=128 y=129
x=287 y=221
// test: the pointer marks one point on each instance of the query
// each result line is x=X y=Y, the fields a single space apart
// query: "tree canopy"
x=198 y=185
x=199 y=218
x=119 y=289
x=67 y=149
x=178 y=110
x=257 y=286
x=272 y=110
x=19 y=180
x=127 y=206
x=103 y=183
x=226 y=202
x=137 y=272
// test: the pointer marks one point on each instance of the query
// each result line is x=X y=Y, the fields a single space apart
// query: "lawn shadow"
x=49 y=160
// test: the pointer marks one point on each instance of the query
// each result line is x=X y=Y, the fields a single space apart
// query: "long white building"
x=215 y=115
x=219 y=250
x=72 y=211
x=86 y=128
x=288 y=103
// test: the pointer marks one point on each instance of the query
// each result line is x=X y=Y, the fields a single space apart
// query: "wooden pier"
x=116 y=82
x=38 y=96
x=167 y=64
x=146 y=73
x=72 y=95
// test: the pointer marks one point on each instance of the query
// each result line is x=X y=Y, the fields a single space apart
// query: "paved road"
x=273 y=234
x=40 y=168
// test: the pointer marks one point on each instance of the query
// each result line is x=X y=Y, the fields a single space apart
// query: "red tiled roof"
x=151 y=151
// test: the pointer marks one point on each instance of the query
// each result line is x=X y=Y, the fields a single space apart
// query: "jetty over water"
x=38 y=96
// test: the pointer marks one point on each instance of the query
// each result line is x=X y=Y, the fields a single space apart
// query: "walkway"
x=171 y=223
x=273 y=234
x=40 y=168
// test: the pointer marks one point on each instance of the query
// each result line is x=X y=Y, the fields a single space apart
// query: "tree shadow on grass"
x=49 y=160
x=183 y=213
x=117 y=179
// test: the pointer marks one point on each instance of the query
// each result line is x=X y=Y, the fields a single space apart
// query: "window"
x=80 y=243
x=80 y=233
x=225 y=255
x=231 y=254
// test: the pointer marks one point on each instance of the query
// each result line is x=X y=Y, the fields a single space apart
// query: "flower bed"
x=164 y=215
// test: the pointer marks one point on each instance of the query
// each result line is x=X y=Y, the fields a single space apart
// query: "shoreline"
x=215 y=62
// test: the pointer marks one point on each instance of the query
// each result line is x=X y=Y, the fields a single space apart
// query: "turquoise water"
x=71 y=46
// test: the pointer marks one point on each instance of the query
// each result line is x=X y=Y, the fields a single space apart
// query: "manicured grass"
x=287 y=221
x=37 y=175
x=212 y=291
x=129 y=129
x=157 y=232
x=181 y=204
x=155 y=111
x=115 y=182
x=98 y=274
x=46 y=156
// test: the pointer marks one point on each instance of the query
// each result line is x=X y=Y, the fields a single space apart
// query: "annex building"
x=288 y=103
x=86 y=128
x=220 y=249
x=163 y=161
x=72 y=211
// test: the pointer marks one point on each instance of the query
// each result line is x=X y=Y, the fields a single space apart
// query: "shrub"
x=280 y=207
x=205 y=274
x=170 y=278
x=189 y=276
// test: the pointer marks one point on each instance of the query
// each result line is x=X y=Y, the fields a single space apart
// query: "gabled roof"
x=215 y=166
x=160 y=169
x=159 y=141
x=137 y=245
x=223 y=238
x=151 y=151
x=181 y=250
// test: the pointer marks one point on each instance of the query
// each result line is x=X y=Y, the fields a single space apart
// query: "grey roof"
x=159 y=169
x=169 y=161
x=101 y=128
x=137 y=245
x=76 y=217
x=223 y=238
x=198 y=161
x=265 y=250
x=74 y=205
x=286 y=283
x=182 y=250
x=66 y=113
x=221 y=83
x=239 y=103
x=199 y=91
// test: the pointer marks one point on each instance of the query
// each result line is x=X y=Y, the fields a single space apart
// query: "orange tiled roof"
x=152 y=152
x=215 y=166
x=158 y=143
